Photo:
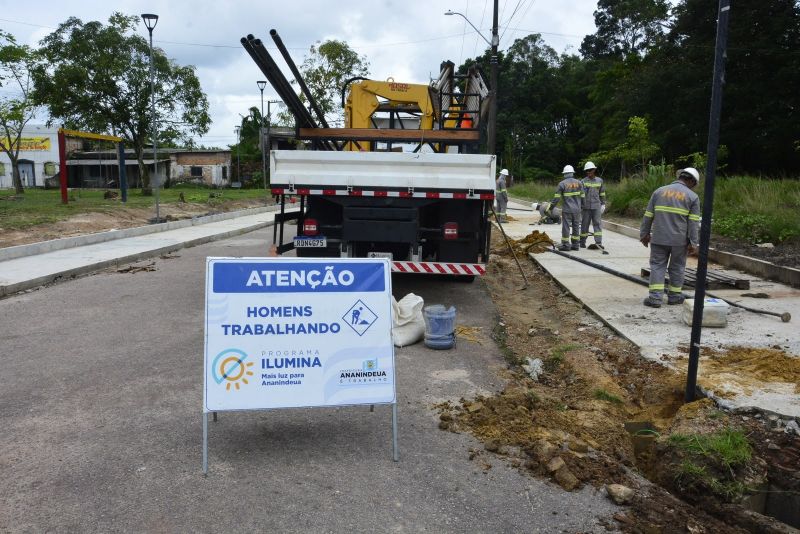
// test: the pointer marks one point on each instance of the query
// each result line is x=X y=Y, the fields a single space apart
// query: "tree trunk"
x=16 y=179
x=144 y=172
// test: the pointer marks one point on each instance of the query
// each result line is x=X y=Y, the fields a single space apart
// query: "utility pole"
x=708 y=197
x=492 y=130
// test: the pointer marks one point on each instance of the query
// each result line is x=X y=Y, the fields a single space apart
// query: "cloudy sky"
x=404 y=39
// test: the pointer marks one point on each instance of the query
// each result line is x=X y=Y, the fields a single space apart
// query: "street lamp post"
x=261 y=85
x=491 y=132
x=236 y=130
x=150 y=21
x=269 y=120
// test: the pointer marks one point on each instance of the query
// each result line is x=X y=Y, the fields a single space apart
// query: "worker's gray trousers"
x=501 y=207
x=570 y=228
x=592 y=216
x=663 y=259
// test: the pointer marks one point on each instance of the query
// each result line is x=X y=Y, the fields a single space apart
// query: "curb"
x=756 y=267
x=89 y=268
x=42 y=247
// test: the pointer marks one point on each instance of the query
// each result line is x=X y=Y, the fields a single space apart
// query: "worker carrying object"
x=570 y=191
x=594 y=204
x=671 y=226
x=501 y=194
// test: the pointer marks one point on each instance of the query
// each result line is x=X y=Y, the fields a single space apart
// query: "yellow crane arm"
x=363 y=101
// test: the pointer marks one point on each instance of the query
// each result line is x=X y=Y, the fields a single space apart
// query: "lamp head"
x=261 y=84
x=449 y=12
x=150 y=20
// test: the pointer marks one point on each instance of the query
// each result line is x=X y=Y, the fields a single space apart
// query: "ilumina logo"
x=230 y=366
x=312 y=278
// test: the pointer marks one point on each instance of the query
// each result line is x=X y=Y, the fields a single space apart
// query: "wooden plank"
x=370 y=134
x=714 y=279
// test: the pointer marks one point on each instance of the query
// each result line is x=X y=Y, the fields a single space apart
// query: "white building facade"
x=38 y=158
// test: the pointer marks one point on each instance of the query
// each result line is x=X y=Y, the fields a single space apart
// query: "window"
x=224 y=173
x=196 y=172
x=50 y=168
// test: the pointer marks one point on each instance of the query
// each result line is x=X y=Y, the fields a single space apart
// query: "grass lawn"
x=38 y=206
x=746 y=208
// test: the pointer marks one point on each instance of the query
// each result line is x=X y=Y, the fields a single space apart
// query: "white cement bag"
x=408 y=325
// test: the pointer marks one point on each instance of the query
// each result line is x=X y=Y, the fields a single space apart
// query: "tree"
x=97 y=77
x=626 y=27
x=325 y=71
x=637 y=148
x=17 y=106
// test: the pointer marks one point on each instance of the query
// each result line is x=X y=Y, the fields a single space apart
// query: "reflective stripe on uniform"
x=670 y=209
x=590 y=184
x=598 y=233
x=565 y=240
x=675 y=289
x=502 y=190
x=584 y=235
x=694 y=217
x=574 y=237
x=575 y=194
x=656 y=287
x=648 y=213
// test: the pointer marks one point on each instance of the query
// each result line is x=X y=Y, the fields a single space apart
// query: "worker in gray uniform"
x=594 y=204
x=501 y=194
x=671 y=226
x=570 y=191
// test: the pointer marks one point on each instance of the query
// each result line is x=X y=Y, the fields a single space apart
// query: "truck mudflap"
x=438 y=267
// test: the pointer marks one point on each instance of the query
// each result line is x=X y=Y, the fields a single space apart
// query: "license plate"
x=310 y=242
x=387 y=255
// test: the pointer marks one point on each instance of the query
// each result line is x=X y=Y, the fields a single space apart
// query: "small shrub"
x=602 y=394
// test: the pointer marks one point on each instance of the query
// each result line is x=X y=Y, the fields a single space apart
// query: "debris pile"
x=534 y=242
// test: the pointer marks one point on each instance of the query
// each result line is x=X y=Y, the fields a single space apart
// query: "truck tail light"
x=310 y=227
x=451 y=230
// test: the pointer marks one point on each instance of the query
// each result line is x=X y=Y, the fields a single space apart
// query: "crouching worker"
x=671 y=227
x=570 y=191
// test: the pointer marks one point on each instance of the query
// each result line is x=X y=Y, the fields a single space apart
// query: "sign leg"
x=205 y=444
x=395 y=452
x=215 y=416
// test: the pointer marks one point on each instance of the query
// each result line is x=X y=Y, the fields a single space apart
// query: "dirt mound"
x=534 y=242
x=582 y=407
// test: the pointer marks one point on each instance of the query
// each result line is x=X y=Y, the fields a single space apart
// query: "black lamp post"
x=236 y=130
x=492 y=127
x=150 y=21
x=261 y=85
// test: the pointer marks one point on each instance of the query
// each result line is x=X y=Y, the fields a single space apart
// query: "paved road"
x=101 y=395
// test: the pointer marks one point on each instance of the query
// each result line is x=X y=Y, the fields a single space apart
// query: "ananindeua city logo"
x=230 y=366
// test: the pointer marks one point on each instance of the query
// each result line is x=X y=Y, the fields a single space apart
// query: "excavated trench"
x=582 y=407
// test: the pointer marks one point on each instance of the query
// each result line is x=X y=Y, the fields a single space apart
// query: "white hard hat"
x=504 y=171
x=589 y=165
x=535 y=206
x=691 y=171
x=568 y=169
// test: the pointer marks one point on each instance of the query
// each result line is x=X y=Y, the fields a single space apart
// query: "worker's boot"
x=563 y=246
x=675 y=299
x=575 y=246
x=652 y=302
x=583 y=243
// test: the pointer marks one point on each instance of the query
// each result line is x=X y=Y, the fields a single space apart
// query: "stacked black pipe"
x=281 y=85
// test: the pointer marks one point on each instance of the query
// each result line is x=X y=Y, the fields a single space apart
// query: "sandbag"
x=408 y=324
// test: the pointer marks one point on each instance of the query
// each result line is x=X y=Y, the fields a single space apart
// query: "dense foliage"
x=640 y=90
x=97 y=77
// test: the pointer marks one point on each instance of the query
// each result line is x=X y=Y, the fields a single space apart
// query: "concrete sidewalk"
x=661 y=334
x=21 y=273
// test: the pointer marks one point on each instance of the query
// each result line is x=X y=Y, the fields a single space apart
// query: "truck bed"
x=294 y=169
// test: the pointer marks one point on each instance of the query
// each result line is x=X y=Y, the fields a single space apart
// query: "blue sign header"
x=297 y=277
